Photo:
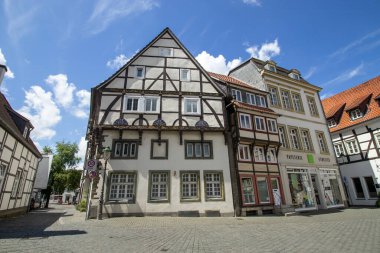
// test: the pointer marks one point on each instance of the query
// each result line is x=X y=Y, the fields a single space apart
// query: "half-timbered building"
x=308 y=167
x=19 y=159
x=162 y=116
x=353 y=117
x=252 y=127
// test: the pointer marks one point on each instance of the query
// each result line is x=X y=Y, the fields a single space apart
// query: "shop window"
x=358 y=187
x=122 y=186
x=214 y=185
x=262 y=188
x=198 y=150
x=245 y=121
x=248 y=190
x=300 y=190
x=371 y=187
x=125 y=149
x=244 y=154
x=159 y=186
x=237 y=95
x=331 y=187
x=190 y=186
x=159 y=149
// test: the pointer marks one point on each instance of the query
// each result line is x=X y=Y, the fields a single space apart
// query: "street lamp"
x=106 y=157
x=3 y=69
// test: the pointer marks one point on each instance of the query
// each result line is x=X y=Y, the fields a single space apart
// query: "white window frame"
x=377 y=138
x=198 y=150
x=286 y=100
x=133 y=98
x=190 y=183
x=352 y=147
x=137 y=71
x=245 y=151
x=245 y=121
x=271 y=155
x=16 y=183
x=162 y=51
x=260 y=123
x=198 y=101
x=312 y=106
x=128 y=149
x=297 y=102
x=274 y=96
x=284 y=140
x=157 y=99
x=272 y=68
x=261 y=101
x=259 y=154
x=339 y=149
x=295 y=76
x=160 y=185
x=356 y=114
x=272 y=126
x=251 y=98
x=306 y=140
x=117 y=184
x=331 y=123
x=186 y=77
x=322 y=142
x=294 y=138
x=213 y=185
x=236 y=94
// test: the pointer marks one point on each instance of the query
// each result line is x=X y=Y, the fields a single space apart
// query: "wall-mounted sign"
x=310 y=159
x=294 y=157
x=324 y=159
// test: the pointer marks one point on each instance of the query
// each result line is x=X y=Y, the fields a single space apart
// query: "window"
x=312 y=106
x=283 y=136
x=192 y=106
x=260 y=101
x=352 y=147
x=295 y=76
x=21 y=184
x=294 y=140
x=159 y=149
x=251 y=99
x=184 y=75
x=306 y=140
x=372 y=193
x=262 y=188
x=25 y=133
x=273 y=91
x=125 y=149
x=259 y=154
x=297 y=102
x=159 y=186
x=358 y=187
x=272 y=68
x=167 y=52
x=245 y=121
x=248 y=190
x=259 y=123
x=322 y=142
x=198 y=150
x=271 y=155
x=339 y=149
x=272 y=125
x=189 y=185
x=152 y=104
x=213 y=185
x=140 y=72
x=377 y=138
x=3 y=171
x=131 y=104
x=285 y=97
x=331 y=123
x=244 y=153
x=356 y=114
x=16 y=183
x=237 y=95
x=122 y=187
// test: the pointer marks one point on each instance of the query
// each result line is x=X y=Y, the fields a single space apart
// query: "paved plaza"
x=63 y=229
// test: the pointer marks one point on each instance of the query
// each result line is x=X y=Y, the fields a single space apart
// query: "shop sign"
x=310 y=159
x=294 y=157
x=324 y=159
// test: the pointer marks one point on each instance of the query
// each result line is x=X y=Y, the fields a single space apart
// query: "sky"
x=56 y=51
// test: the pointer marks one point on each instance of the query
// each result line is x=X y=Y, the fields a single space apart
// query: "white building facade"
x=163 y=117
x=309 y=171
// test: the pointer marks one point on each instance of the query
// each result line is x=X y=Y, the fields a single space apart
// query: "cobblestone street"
x=62 y=229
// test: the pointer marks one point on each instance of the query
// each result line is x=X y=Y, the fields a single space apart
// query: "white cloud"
x=107 y=11
x=266 y=51
x=118 y=61
x=41 y=110
x=310 y=72
x=83 y=98
x=326 y=95
x=82 y=147
x=63 y=91
x=3 y=61
x=252 y=2
x=347 y=75
x=217 y=64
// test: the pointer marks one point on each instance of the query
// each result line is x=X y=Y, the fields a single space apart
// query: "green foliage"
x=68 y=179
x=59 y=182
x=47 y=150
x=73 y=179
x=82 y=206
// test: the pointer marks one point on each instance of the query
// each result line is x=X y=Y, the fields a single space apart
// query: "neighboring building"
x=252 y=128
x=42 y=176
x=308 y=167
x=163 y=117
x=353 y=117
x=19 y=159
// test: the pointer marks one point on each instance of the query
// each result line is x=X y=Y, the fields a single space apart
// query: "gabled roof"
x=7 y=122
x=332 y=112
x=232 y=80
x=355 y=96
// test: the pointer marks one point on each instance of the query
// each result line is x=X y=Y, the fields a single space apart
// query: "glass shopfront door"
x=301 y=188
x=276 y=191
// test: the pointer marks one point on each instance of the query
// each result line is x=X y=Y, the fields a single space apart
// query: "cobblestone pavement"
x=62 y=229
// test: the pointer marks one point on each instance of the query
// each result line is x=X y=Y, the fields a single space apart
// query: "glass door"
x=276 y=191
x=316 y=189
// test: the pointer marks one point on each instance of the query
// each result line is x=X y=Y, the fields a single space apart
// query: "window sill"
x=151 y=201
x=114 y=202
x=215 y=199
x=190 y=200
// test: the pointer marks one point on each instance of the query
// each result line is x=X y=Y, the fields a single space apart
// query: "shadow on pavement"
x=321 y=212
x=33 y=225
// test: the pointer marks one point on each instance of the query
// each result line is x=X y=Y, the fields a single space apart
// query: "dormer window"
x=331 y=123
x=25 y=133
x=295 y=76
x=272 y=68
x=356 y=114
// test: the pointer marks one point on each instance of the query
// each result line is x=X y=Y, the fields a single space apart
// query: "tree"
x=47 y=150
x=73 y=179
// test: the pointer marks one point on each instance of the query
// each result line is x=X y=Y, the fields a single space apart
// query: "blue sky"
x=57 y=50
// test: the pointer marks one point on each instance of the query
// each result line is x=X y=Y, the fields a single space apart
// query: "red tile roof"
x=333 y=110
x=232 y=80
x=352 y=96
x=10 y=126
x=356 y=102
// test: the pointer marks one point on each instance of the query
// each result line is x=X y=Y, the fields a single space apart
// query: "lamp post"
x=3 y=69
x=106 y=157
